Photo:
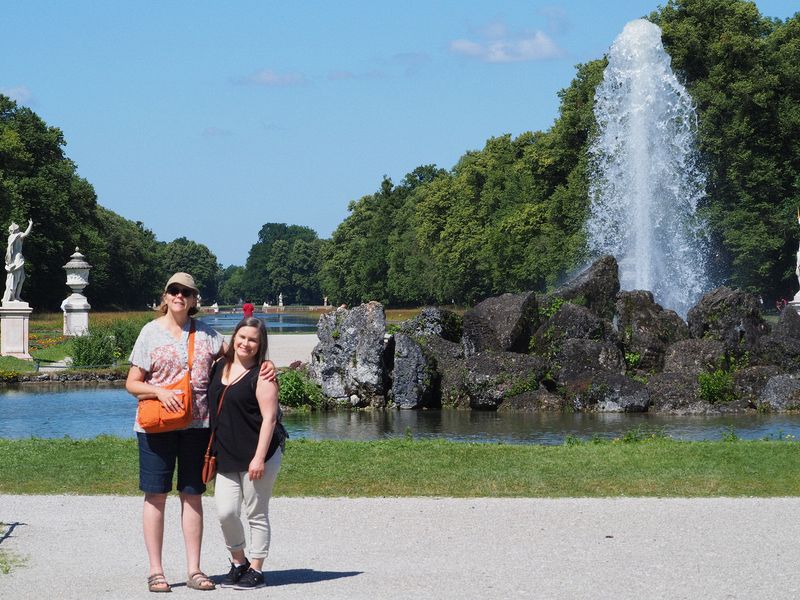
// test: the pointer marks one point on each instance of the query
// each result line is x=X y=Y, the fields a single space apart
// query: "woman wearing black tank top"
x=247 y=445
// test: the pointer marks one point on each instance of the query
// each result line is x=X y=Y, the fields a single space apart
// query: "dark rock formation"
x=694 y=356
x=433 y=321
x=415 y=380
x=348 y=362
x=748 y=383
x=778 y=350
x=570 y=321
x=579 y=360
x=781 y=392
x=611 y=392
x=724 y=360
x=676 y=392
x=595 y=288
x=493 y=377
x=451 y=367
x=646 y=329
x=502 y=323
x=730 y=316
x=536 y=400
x=788 y=324
x=681 y=393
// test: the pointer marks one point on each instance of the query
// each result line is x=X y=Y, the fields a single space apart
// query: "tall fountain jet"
x=645 y=181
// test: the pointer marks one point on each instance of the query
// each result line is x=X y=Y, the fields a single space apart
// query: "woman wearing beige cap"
x=159 y=358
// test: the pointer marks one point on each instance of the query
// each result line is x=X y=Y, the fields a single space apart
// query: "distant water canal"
x=275 y=322
x=54 y=411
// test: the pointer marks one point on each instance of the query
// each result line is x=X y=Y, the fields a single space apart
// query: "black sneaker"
x=251 y=580
x=235 y=574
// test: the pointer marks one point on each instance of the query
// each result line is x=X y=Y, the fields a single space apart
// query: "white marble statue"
x=15 y=262
x=797 y=264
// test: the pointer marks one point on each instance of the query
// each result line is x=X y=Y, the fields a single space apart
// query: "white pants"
x=234 y=490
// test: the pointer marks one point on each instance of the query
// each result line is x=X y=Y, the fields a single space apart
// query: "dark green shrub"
x=716 y=386
x=125 y=332
x=297 y=389
x=108 y=343
x=94 y=350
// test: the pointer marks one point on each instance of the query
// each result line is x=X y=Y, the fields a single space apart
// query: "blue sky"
x=207 y=119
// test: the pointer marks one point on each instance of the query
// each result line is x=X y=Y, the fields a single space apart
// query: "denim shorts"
x=158 y=453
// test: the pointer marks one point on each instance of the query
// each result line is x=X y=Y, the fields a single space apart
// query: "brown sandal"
x=158 y=583
x=200 y=581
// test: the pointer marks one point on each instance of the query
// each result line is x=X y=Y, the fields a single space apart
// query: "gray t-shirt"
x=165 y=359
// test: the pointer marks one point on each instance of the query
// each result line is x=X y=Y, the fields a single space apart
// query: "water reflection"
x=58 y=410
x=532 y=428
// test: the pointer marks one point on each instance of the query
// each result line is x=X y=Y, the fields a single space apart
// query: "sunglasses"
x=174 y=290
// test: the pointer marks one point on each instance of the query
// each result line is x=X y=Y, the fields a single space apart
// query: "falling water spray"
x=645 y=181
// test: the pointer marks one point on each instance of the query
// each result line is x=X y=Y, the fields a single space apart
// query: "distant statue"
x=280 y=299
x=797 y=262
x=797 y=265
x=15 y=262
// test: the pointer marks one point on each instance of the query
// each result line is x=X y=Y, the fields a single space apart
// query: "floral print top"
x=165 y=359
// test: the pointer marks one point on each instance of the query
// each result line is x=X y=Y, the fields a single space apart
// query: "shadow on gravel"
x=293 y=576
x=4 y=535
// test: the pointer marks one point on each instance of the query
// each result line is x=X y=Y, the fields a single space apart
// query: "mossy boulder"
x=730 y=316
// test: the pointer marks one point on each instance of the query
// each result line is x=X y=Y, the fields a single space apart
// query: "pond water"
x=85 y=412
x=275 y=322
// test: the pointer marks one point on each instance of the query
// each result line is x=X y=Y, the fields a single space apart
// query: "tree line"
x=510 y=216
x=38 y=181
x=507 y=217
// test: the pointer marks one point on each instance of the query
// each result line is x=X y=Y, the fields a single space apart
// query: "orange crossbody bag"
x=154 y=418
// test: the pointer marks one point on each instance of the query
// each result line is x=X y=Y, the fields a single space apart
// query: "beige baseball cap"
x=183 y=279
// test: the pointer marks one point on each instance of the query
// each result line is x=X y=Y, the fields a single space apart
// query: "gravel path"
x=420 y=548
x=285 y=349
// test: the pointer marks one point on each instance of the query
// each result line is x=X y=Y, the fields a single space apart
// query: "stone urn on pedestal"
x=76 y=306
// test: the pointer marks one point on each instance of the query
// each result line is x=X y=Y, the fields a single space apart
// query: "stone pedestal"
x=795 y=304
x=76 y=315
x=75 y=306
x=14 y=318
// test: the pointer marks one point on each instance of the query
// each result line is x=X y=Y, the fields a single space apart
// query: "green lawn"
x=650 y=467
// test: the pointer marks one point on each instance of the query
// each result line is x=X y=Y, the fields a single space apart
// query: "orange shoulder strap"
x=191 y=344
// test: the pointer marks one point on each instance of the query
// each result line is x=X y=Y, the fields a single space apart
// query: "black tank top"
x=239 y=422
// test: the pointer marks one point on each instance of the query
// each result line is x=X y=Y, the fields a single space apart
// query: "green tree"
x=193 y=258
x=124 y=272
x=285 y=260
x=231 y=285
x=356 y=263
x=37 y=181
x=742 y=70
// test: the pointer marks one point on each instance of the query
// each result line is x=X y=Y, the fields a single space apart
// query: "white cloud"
x=269 y=78
x=20 y=94
x=499 y=45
